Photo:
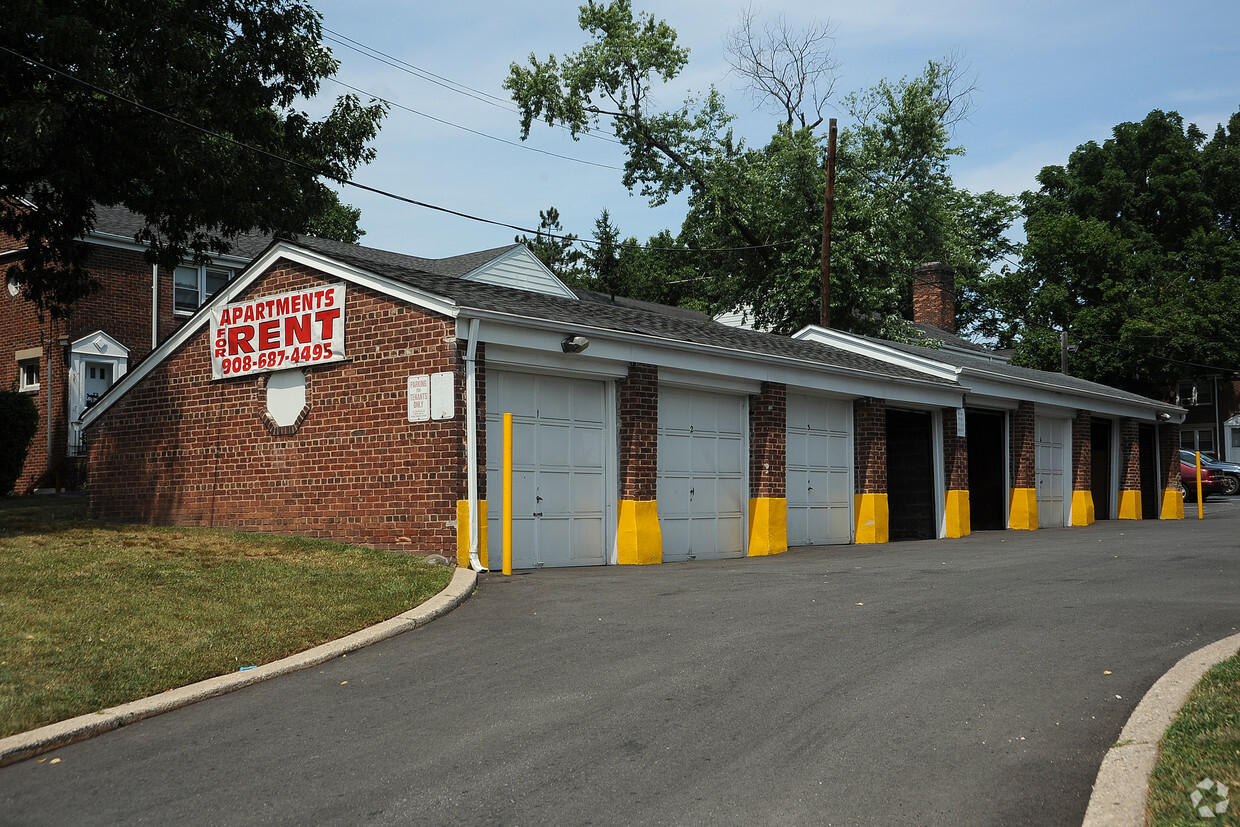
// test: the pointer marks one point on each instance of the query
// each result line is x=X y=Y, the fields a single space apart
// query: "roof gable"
x=518 y=268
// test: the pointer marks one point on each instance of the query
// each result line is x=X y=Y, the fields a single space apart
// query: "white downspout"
x=471 y=443
x=51 y=346
x=154 y=306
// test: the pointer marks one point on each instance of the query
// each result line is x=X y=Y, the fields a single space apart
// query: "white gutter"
x=1140 y=402
x=471 y=443
x=726 y=351
x=154 y=306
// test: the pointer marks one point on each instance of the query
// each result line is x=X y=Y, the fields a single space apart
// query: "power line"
x=439 y=80
x=474 y=131
x=346 y=181
x=416 y=71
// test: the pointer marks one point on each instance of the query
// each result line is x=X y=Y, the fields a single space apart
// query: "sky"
x=1051 y=76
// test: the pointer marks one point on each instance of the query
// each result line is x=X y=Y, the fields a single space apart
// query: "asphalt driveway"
x=973 y=681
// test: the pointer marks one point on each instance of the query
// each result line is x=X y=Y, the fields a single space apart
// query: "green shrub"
x=21 y=420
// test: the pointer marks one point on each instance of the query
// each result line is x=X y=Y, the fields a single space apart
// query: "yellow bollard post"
x=1201 y=507
x=507 y=473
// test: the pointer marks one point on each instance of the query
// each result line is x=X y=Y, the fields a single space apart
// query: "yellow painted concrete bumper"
x=462 y=533
x=768 y=526
x=1024 y=511
x=872 y=518
x=639 y=540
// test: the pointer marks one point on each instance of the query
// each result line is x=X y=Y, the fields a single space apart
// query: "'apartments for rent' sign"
x=297 y=329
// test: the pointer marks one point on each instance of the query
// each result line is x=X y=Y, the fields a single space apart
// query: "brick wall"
x=480 y=429
x=182 y=449
x=870 y=445
x=768 y=439
x=1023 y=450
x=638 y=400
x=1129 y=456
x=955 y=454
x=1082 y=452
x=1169 y=456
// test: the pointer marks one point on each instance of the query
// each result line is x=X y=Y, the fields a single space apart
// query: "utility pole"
x=828 y=211
x=1064 y=350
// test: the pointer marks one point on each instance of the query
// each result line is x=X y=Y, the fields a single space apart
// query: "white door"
x=703 y=487
x=97 y=378
x=563 y=449
x=1051 y=471
x=96 y=362
x=819 y=467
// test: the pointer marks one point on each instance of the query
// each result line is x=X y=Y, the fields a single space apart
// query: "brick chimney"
x=934 y=295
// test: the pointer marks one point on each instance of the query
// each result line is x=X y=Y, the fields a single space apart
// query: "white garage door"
x=819 y=471
x=703 y=481
x=1050 y=468
x=562 y=453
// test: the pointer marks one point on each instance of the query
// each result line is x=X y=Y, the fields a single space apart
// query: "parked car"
x=1227 y=474
x=1209 y=485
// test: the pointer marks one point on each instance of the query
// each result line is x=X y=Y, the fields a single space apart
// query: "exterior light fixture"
x=574 y=344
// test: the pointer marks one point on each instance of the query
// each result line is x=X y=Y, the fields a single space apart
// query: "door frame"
x=611 y=458
x=98 y=348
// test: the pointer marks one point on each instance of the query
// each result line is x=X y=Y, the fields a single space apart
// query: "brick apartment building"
x=66 y=364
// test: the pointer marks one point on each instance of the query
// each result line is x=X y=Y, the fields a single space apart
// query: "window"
x=192 y=286
x=1197 y=439
x=28 y=375
x=1194 y=393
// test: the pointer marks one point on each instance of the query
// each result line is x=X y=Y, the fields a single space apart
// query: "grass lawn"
x=1203 y=743
x=95 y=614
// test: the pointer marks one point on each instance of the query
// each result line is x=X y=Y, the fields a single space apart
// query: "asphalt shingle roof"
x=123 y=222
x=980 y=363
x=930 y=332
x=664 y=323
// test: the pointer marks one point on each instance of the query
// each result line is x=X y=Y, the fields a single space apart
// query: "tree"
x=612 y=78
x=792 y=67
x=755 y=215
x=183 y=111
x=20 y=416
x=895 y=207
x=553 y=247
x=337 y=221
x=1132 y=250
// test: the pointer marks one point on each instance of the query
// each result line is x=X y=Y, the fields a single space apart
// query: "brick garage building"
x=642 y=434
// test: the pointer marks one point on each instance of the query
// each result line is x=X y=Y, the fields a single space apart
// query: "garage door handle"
x=536 y=514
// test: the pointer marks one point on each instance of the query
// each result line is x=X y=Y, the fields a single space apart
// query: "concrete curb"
x=1123 y=782
x=28 y=744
